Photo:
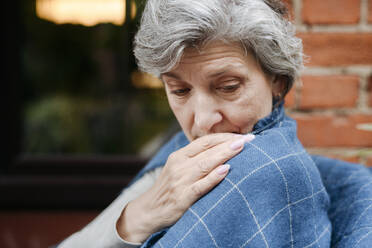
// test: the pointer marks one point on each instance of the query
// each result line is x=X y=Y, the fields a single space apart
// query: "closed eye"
x=181 y=92
x=229 y=88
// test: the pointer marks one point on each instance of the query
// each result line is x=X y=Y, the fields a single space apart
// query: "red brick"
x=333 y=131
x=337 y=155
x=370 y=91
x=289 y=5
x=369 y=161
x=290 y=98
x=351 y=159
x=335 y=49
x=330 y=11
x=370 y=11
x=329 y=91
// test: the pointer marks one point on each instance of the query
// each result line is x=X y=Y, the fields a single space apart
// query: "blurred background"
x=81 y=120
x=81 y=91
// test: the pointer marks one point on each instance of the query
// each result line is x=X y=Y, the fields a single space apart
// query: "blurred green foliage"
x=77 y=94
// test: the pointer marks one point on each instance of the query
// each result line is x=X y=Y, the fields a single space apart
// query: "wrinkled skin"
x=217 y=94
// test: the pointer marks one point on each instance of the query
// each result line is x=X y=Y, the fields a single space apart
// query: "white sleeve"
x=101 y=232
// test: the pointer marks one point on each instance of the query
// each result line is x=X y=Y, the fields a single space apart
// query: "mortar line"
x=363 y=13
x=297 y=8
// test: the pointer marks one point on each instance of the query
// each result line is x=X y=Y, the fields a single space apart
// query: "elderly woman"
x=237 y=176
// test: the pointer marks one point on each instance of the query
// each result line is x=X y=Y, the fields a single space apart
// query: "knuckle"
x=225 y=154
x=206 y=143
x=172 y=157
x=196 y=191
x=203 y=166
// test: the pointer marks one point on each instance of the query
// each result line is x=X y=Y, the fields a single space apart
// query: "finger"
x=206 y=184
x=209 y=159
x=205 y=142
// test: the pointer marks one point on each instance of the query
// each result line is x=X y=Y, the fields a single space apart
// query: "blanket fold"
x=273 y=196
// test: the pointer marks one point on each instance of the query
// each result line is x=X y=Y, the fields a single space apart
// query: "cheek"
x=245 y=112
x=183 y=115
x=240 y=113
x=261 y=105
x=261 y=99
x=266 y=102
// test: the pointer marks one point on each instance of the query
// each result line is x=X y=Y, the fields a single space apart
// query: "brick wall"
x=332 y=102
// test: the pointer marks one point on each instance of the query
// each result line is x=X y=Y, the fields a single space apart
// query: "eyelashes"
x=226 y=88
x=181 y=92
x=229 y=88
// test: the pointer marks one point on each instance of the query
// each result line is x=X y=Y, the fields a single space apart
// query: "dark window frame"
x=50 y=182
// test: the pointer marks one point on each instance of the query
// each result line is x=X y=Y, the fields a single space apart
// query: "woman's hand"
x=188 y=174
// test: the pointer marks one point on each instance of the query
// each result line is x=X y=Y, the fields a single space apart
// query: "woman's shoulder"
x=277 y=158
x=275 y=144
x=272 y=194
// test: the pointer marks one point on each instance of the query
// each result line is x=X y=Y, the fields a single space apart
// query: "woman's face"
x=219 y=89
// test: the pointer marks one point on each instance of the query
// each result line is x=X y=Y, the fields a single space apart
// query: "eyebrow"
x=217 y=74
x=223 y=70
x=171 y=74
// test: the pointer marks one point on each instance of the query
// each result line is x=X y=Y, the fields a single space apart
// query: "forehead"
x=213 y=51
x=216 y=57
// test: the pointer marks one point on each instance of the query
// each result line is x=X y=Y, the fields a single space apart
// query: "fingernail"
x=237 y=144
x=223 y=169
x=249 y=137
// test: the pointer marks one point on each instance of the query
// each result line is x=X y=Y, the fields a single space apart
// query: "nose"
x=206 y=114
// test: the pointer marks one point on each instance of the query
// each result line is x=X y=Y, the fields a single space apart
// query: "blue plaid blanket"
x=350 y=189
x=275 y=196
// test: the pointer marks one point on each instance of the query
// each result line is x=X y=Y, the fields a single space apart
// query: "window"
x=82 y=120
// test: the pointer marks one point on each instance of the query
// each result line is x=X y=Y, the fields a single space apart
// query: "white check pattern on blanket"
x=273 y=196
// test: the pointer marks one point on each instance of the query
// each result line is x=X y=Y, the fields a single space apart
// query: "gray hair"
x=168 y=27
